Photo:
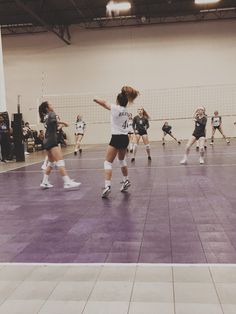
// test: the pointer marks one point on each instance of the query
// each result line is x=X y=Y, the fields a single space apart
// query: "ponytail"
x=145 y=114
x=43 y=110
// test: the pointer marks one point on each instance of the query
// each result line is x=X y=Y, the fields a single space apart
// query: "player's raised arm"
x=103 y=103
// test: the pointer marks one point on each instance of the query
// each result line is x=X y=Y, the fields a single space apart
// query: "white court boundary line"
x=119 y=264
x=132 y=168
x=189 y=165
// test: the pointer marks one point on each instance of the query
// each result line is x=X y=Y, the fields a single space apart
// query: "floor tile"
x=62 y=307
x=195 y=293
x=151 y=273
x=192 y=274
x=72 y=291
x=151 y=308
x=226 y=292
x=152 y=292
x=106 y=307
x=229 y=308
x=111 y=291
x=33 y=290
x=117 y=273
x=196 y=308
x=21 y=306
x=223 y=274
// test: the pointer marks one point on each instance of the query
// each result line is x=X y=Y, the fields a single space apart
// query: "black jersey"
x=50 y=123
x=166 y=128
x=140 y=125
x=200 y=127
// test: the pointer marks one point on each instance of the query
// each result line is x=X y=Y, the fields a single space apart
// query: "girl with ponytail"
x=140 y=126
x=50 y=143
x=119 y=139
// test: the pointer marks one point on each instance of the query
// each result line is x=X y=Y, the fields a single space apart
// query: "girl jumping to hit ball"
x=119 y=139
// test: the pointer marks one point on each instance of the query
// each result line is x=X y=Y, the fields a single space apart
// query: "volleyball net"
x=161 y=104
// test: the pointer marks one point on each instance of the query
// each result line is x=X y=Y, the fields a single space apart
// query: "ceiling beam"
x=79 y=12
x=41 y=21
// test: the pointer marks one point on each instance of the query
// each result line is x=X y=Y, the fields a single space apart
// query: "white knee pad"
x=50 y=164
x=107 y=165
x=60 y=163
x=122 y=163
x=147 y=146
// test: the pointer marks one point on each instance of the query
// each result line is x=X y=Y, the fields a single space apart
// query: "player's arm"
x=134 y=125
x=202 y=121
x=103 y=103
x=63 y=124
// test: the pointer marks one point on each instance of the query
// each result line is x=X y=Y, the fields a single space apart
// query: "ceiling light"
x=118 y=6
x=206 y=1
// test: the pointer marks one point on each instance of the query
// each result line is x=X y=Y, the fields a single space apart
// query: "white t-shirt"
x=119 y=120
x=80 y=127
x=216 y=121
x=130 y=126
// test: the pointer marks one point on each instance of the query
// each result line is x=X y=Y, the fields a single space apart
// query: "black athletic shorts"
x=49 y=146
x=216 y=127
x=79 y=134
x=119 y=141
x=198 y=135
x=141 y=133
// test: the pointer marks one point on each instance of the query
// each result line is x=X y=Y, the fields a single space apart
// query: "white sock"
x=107 y=183
x=125 y=178
x=66 y=179
x=45 y=178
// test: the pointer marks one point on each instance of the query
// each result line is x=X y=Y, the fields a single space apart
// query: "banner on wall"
x=2 y=81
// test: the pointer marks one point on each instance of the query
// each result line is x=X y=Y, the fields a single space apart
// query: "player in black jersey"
x=167 y=130
x=50 y=143
x=205 y=143
x=199 y=133
x=140 y=126
x=216 y=123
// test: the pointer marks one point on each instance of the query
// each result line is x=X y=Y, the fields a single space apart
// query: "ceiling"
x=33 y=16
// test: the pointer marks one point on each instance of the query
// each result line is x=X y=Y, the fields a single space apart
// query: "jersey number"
x=125 y=125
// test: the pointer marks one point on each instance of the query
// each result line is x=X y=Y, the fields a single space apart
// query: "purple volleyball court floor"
x=171 y=214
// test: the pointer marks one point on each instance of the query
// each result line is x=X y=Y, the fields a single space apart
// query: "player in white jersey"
x=131 y=133
x=79 y=134
x=216 y=123
x=119 y=139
